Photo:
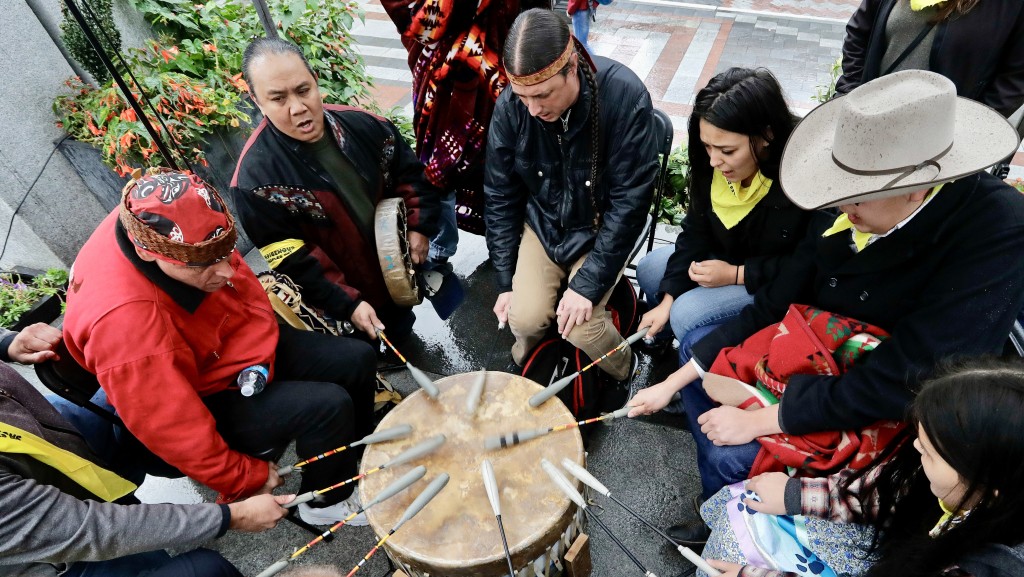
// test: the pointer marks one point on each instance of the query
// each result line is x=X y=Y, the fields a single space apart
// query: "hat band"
x=901 y=171
x=544 y=73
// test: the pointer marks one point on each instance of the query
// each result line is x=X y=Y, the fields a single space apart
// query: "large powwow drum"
x=456 y=534
x=391 y=231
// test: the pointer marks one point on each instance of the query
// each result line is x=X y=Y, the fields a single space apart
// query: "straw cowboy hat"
x=897 y=134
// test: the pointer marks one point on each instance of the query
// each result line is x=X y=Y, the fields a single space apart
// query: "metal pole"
x=265 y=18
x=54 y=33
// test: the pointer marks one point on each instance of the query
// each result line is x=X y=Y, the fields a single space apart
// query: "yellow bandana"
x=731 y=202
x=97 y=480
x=947 y=514
x=918 y=5
x=861 y=239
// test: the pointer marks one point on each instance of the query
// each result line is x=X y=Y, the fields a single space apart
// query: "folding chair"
x=664 y=133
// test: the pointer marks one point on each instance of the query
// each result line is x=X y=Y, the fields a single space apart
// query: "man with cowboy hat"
x=928 y=248
x=167 y=315
x=571 y=163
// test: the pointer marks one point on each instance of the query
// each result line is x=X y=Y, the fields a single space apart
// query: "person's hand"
x=573 y=310
x=35 y=344
x=418 y=246
x=258 y=513
x=273 y=480
x=728 y=426
x=365 y=319
x=657 y=317
x=712 y=273
x=727 y=569
x=651 y=400
x=771 y=488
x=502 y=305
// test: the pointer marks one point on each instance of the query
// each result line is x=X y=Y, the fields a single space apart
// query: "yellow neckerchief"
x=947 y=514
x=918 y=5
x=731 y=202
x=861 y=239
x=97 y=480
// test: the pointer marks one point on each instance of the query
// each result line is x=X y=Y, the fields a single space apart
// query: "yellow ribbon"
x=276 y=252
x=731 y=202
x=918 y=5
x=97 y=480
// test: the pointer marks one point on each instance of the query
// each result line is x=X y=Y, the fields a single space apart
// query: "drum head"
x=457 y=534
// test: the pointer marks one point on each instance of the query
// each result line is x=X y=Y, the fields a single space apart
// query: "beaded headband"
x=548 y=71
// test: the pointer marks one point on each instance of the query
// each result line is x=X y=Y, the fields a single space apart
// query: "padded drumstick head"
x=399 y=432
x=274 y=569
x=425 y=497
x=619 y=413
x=299 y=499
x=416 y=451
x=398 y=485
x=585 y=476
x=563 y=484
x=491 y=486
x=551 y=390
x=286 y=470
x=638 y=335
x=475 y=391
x=513 y=438
x=423 y=381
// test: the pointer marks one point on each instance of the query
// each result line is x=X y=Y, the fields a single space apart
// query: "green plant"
x=78 y=45
x=675 y=196
x=823 y=93
x=1017 y=183
x=17 y=295
x=397 y=117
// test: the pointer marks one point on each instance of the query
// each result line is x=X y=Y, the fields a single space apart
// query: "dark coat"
x=280 y=193
x=767 y=235
x=982 y=52
x=949 y=282
x=539 y=176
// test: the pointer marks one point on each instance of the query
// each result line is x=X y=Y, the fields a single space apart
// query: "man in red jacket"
x=167 y=315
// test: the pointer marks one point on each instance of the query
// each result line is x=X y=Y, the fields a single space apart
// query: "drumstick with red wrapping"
x=390 y=491
x=419 y=376
x=552 y=389
x=516 y=437
x=399 y=432
x=417 y=505
x=491 y=486
x=592 y=482
x=412 y=453
x=566 y=487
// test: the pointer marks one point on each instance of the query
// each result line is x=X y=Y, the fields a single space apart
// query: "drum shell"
x=391 y=236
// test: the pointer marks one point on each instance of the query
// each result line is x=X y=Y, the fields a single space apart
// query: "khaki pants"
x=534 y=299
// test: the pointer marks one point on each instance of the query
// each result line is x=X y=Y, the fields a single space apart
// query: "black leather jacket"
x=538 y=175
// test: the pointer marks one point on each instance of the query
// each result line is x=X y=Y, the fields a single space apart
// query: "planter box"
x=45 y=310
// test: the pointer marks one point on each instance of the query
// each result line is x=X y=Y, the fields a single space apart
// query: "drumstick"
x=399 y=432
x=421 y=379
x=475 y=391
x=390 y=491
x=417 y=505
x=516 y=437
x=415 y=452
x=592 y=482
x=566 y=487
x=552 y=389
x=491 y=486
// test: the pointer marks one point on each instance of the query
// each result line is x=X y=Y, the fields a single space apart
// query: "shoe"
x=334 y=513
x=692 y=534
x=655 y=347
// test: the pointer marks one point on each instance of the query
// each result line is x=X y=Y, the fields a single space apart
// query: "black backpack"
x=592 y=392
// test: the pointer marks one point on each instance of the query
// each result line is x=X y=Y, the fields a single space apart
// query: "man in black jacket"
x=571 y=163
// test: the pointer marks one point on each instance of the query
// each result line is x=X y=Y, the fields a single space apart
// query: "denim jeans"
x=446 y=242
x=198 y=563
x=696 y=308
x=581 y=27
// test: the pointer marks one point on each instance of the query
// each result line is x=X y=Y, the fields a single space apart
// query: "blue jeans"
x=696 y=308
x=198 y=563
x=446 y=242
x=581 y=27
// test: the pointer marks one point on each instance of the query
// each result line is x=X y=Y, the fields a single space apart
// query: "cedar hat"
x=177 y=218
x=897 y=134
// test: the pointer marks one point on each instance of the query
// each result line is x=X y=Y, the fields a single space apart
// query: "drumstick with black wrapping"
x=516 y=437
x=390 y=491
x=491 y=486
x=417 y=505
x=592 y=482
x=419 y=376
x=399 y=432
x=412 y=453
x=552 y=389
x=566 y=487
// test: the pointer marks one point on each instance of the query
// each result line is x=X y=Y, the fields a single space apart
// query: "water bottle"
x=252 y=380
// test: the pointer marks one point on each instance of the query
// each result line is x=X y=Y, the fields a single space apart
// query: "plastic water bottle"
x=252 y=380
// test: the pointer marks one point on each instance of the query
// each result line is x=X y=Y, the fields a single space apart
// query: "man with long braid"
x=571 y=163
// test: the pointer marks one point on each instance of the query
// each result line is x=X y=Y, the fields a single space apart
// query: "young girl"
x=948 y=503
x=739 y=223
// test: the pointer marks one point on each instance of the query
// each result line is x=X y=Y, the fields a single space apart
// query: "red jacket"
x=156 y=360
x=577 y=5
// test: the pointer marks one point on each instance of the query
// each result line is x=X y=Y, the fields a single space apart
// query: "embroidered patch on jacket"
x=387 y=154
x=297 y=201
x=339 y=136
